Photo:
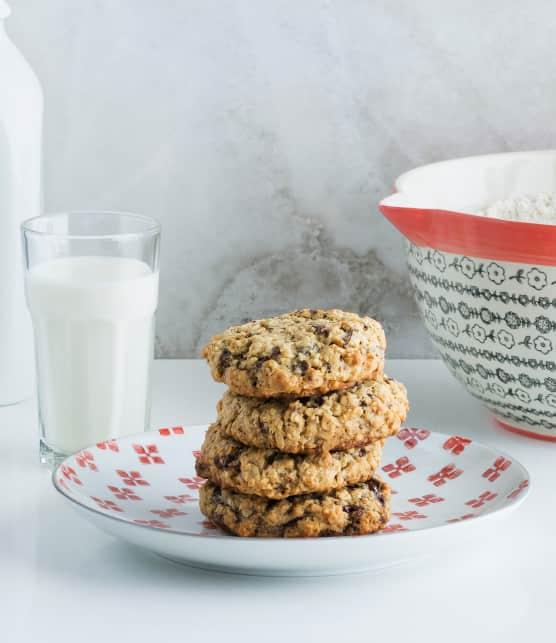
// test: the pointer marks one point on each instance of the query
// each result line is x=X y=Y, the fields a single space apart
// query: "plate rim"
x=510 y=506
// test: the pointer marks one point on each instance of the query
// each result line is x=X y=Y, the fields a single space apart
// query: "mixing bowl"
x=486 y=288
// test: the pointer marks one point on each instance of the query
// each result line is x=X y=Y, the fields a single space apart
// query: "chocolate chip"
x=201 y=469
x=274 y=456
x=353 y=510
x=265 y=358
x=220 y=462
x=314 y=401
x=375 y=487
x=322 y=330
x=224 y=361
x=263 y=428
x=217 y=496
x=302 y=367
x=229 y=461
x=347 y=336
x=218 y=519
x=309 y=350
x=362 y=452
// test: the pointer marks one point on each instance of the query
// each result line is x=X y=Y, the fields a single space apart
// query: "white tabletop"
x=63 y=580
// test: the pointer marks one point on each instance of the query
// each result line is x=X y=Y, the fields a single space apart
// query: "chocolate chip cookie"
x=359 y=509
x=298 y=354
x=267 y=472
x=331 y=421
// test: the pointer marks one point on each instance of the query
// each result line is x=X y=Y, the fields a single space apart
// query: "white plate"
x=143 y=489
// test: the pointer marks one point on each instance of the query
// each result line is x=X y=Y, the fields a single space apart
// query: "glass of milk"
x=91 y=284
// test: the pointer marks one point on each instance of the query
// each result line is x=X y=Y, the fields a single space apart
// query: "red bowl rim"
x=475 y=236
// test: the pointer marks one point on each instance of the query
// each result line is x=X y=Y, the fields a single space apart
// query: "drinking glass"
x=91 y=284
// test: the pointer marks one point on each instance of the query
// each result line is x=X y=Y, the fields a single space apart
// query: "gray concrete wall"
x=263 y=133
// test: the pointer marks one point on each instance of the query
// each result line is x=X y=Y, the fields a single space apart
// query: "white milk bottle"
x=20 y=172
x=92 y=289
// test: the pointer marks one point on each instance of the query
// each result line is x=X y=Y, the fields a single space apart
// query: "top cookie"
x=300 y=353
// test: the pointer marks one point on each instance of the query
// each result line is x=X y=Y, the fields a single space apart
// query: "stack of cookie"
x=299 y=433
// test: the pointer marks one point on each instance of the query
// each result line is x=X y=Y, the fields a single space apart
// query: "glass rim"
x=152 y=226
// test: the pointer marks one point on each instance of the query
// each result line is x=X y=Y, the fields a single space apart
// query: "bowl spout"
x=435 y=206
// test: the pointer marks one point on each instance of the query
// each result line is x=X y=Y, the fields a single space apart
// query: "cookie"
x=332 y=421
x=359 y=509
x=270 y=473
x=298 y=354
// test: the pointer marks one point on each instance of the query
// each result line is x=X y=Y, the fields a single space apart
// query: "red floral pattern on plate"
x=148 y=454
x=412 y=437
x=70 y=474
x=132 y=478
x=86 y=459
x=63 y=484
x=168 y=513
x=207 y=524
x=193 y=483
x=123 y=493
x=152 y=523
x=456 y=444
x=464 y=517
x=408 y=515
x=449 y=472
x=175 y=430
x=181 y=499
x=392 y=528
x=517 y=491
x=110 y=445
x=400 y=466
x=495 y=470
x=486 y=496
x=110 y=505
x=427 y=499
x=144 y=492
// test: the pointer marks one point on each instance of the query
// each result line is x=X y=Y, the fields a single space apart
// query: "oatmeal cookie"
x=270 y=473
x=332 y=421
x=298 y=354
x=362 y=508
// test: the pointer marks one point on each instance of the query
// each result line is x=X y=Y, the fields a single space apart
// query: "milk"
x=93 y=319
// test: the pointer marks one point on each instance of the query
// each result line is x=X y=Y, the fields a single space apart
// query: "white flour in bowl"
x=533 y=208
